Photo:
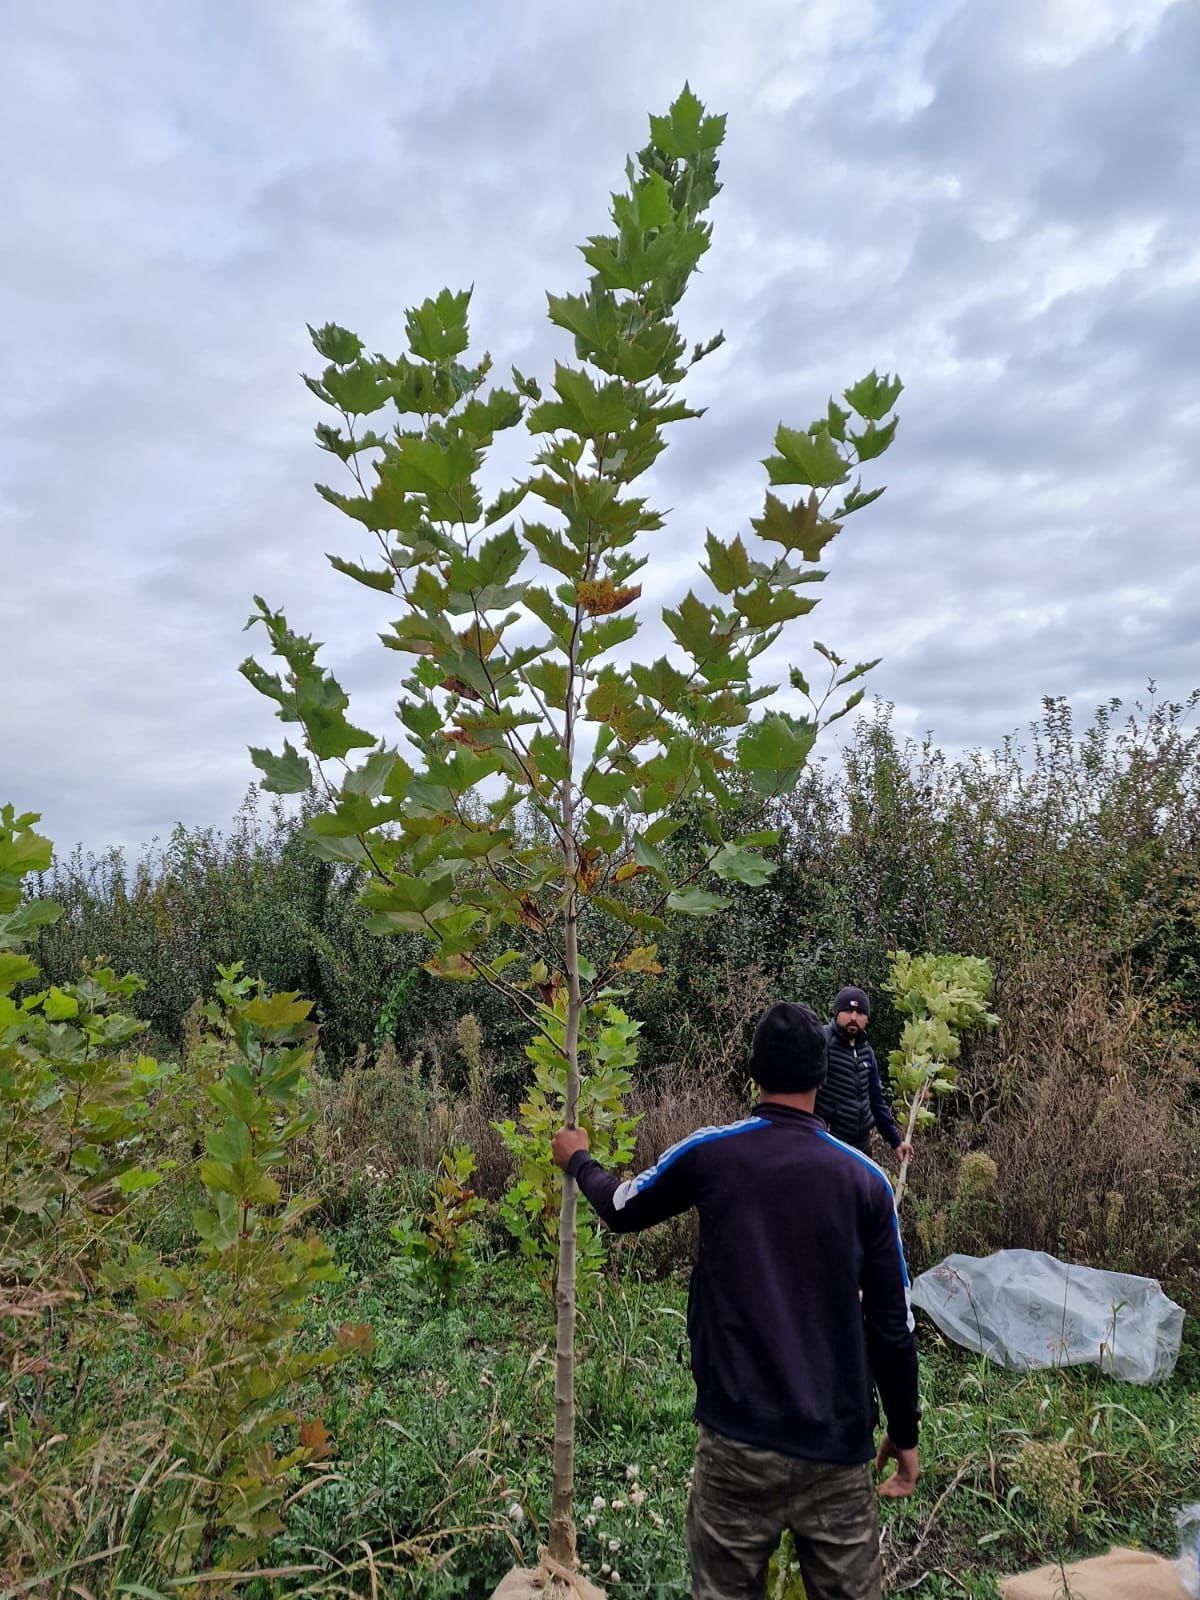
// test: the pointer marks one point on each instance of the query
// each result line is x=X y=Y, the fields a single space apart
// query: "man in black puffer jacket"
x=851 y=1102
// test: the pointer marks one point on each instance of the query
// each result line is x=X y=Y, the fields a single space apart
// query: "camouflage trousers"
x=742 y=1500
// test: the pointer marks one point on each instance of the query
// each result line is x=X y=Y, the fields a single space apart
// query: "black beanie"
x=788 y=1053
x=846 y=997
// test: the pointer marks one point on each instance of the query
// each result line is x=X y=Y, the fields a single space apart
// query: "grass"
x=442 y=1477
x=440 y=1474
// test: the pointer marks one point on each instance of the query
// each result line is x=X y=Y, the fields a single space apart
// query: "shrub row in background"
x=1073 y=864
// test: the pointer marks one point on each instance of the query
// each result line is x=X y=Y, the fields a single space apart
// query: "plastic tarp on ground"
x=1025 y=1309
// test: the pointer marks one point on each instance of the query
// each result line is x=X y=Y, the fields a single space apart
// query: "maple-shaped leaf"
x=437 y=329
x=800 y=527
x=873 y=397
x=812 y=458
x=685 y=130
x=314 y=1437
x=643 y=958
x=728 y=566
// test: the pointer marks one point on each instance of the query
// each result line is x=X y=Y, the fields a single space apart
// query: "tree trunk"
x=561 y=1540
x=914 y=1112
x=562 y=1521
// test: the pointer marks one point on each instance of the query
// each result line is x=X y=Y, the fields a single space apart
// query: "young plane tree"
x=941 y=998
x=521 y=697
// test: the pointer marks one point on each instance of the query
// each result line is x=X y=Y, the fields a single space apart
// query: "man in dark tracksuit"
x=851 y=1100
x=798 y=1310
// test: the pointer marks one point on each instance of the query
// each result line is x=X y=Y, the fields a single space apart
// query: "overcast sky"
x=998 y=201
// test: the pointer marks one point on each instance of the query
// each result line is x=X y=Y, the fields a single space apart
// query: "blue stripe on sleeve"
x=633 y=1186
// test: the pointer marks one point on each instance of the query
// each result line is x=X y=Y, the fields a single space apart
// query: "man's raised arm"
x=662 y=1191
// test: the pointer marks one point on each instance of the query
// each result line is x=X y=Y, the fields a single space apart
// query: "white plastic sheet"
x=1023 y=1308
x=1188 y=1566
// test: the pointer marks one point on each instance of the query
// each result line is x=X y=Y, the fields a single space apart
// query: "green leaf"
x=437 y=329
x=873 y=397
x=550 y=755
x=550 y=678
x=800 y=527
x=741 y=866
x=592 y=319
x=811 y=458
x=14 y=969
x=289 y=773
x=605 y=635
x=359 y=389
x=499 y=558
x=607 y=788
x=858 y=671
x=381 y=578
x=854 y=700
x=836 y=421
x=554 y=551
x=25 y=852
x=856 y=499
x=649 y=856
x=728 y=564
x=874 y=440
x=547 y=610
x=773 y=751
x=661 y=682
x=685 y=131
x=764 y=606
x=135 y=1178
x=662 y=829
x=697 y=902
x=692 y=626
x=336 y=344
x=652 y=201
x=427 y=466
x=19 y=925
x=485 y=418
x=382 y=773
x=348 y=852
x=58 y=1007
x=582 y=408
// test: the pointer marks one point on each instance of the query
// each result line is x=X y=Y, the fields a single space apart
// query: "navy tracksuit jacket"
x=793 y=1225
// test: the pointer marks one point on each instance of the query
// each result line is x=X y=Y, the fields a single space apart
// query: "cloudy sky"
x=999 y=202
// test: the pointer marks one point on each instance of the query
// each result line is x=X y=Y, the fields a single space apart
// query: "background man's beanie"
x=788 y=1055
x=848 y=997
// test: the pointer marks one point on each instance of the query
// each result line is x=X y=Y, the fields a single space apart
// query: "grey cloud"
x=906 y=187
